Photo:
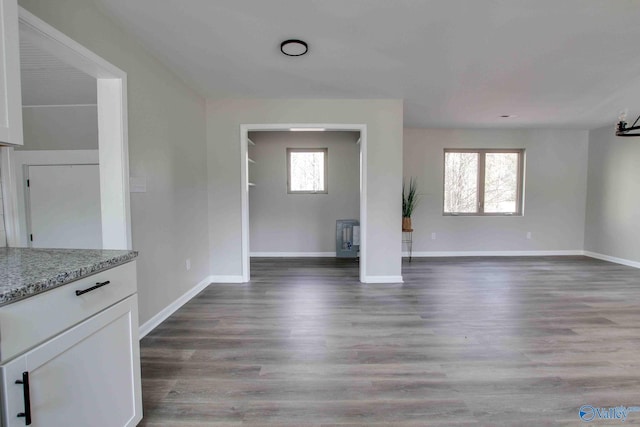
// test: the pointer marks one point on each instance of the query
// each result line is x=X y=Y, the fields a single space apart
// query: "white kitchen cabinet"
x=10 y=92
x=29 y=322
x=88 y=375
x=77 y=348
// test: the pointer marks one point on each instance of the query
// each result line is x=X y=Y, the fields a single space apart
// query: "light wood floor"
x=464 y=341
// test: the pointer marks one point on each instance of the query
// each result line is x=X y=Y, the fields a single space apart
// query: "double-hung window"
x=307 y=170
x=483 y=182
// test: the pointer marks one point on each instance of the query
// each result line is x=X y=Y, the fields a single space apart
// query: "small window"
x=307 y=170
x=483 y=182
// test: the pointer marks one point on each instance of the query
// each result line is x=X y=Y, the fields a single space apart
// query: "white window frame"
x=481 y=181
x=325 y=152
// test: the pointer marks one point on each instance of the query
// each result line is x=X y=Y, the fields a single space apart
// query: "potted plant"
x=409 y=202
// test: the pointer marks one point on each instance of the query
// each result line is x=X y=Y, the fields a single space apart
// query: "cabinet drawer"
x=29 y=322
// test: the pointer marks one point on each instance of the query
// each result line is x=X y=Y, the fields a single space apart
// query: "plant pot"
x=406 y=223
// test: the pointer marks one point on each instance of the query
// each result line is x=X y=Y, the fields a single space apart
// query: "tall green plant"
x=409 y=198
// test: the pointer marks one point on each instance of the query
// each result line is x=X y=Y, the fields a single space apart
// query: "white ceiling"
x=46 y=80
x=456 y=63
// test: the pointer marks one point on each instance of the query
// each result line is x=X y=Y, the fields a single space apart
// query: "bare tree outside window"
x=461 y=182
x=307 y=170
x=483 y=182
x=501 y=182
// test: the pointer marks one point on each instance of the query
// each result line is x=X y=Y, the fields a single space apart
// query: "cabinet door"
x=10 y=94
x=86 y=376
x=12 y=393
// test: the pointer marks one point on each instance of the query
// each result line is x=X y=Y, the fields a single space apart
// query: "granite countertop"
x=26 y=272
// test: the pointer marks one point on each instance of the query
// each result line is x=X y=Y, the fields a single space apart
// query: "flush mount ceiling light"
x=623 y=130
x=307 y=129
x=294 y=47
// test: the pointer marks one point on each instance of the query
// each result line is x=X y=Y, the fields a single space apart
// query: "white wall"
x=285 y=223
x=555 y=192
x=60 y=128
x=166 y=145
x=383 y=119
x=613 y=196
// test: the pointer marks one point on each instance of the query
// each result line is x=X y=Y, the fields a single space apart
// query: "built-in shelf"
x=251 y=161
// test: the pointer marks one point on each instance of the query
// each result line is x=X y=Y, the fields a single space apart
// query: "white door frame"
x=244 y=183
x=113 y=145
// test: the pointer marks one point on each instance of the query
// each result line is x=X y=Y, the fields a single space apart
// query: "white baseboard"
x=617 y=260
x=492 y=253
x=293 y=254
x=226 y=279
x=152 y=323
x=383 y=279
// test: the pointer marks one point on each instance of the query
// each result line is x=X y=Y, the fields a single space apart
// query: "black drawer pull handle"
x=27 y=400
x=93 y=288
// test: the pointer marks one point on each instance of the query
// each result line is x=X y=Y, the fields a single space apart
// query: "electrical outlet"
x=187 y=264
x=528 y=235
x=433 y=236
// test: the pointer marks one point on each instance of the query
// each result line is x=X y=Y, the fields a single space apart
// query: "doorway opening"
x=112 y=152
x=360 y=163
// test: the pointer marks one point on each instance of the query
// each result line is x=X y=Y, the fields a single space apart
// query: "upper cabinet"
x=10 y=94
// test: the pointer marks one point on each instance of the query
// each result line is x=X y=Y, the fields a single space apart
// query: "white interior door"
x=63 y=206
